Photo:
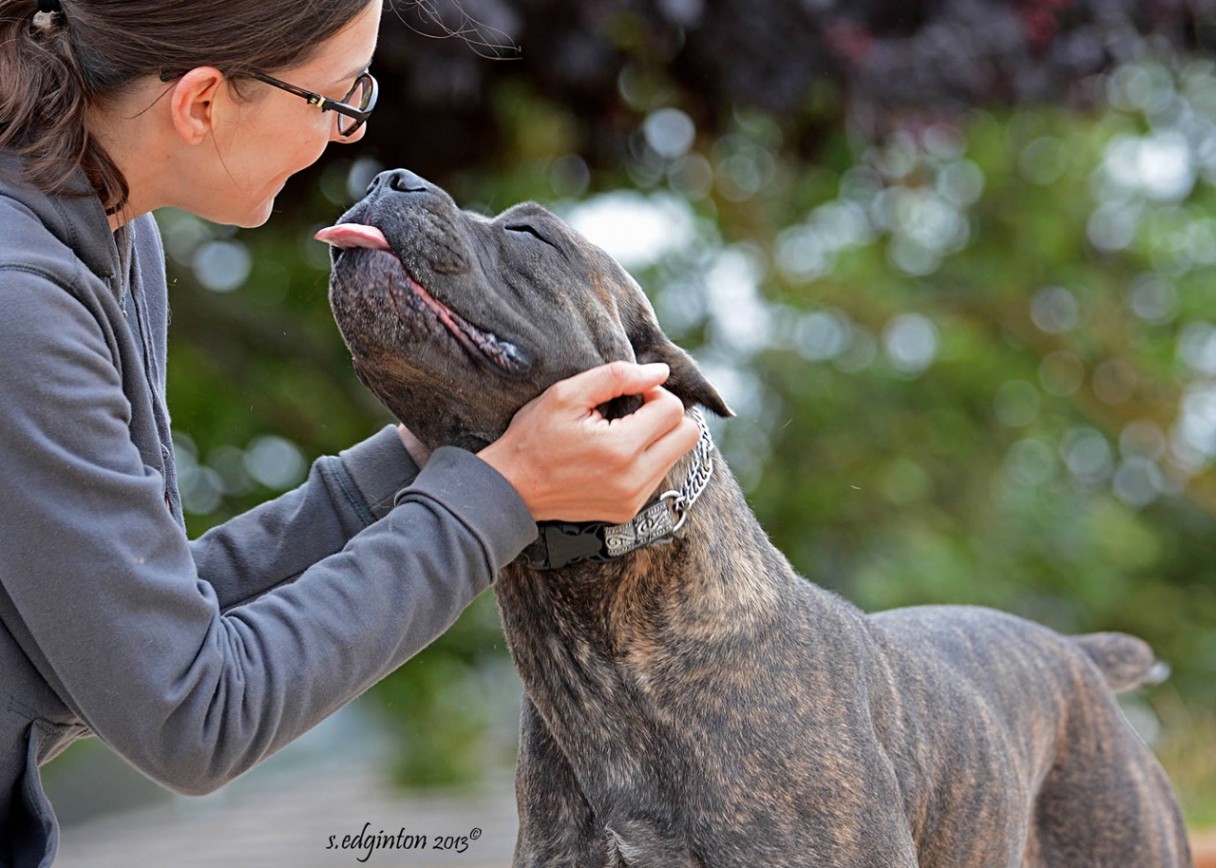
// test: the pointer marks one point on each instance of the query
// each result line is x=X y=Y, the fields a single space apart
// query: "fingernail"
x=655 y=368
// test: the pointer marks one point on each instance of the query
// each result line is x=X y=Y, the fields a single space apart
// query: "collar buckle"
x=563 y=543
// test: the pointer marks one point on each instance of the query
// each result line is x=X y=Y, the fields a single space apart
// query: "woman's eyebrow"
x=358 y=70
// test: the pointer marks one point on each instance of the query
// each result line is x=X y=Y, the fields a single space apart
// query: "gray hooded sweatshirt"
x=192 y=660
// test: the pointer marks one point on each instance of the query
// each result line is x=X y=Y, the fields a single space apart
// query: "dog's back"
x=986 y=694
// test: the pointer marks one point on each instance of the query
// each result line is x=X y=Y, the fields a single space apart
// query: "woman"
x=195 y=660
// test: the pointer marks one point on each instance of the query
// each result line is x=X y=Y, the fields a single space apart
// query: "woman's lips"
x=347 y=235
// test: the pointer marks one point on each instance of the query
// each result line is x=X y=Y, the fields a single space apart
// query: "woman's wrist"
x=414 y=447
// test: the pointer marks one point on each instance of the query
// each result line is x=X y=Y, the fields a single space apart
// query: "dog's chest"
x=558 y=634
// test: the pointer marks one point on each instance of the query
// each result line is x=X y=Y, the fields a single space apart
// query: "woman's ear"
x=192 y=103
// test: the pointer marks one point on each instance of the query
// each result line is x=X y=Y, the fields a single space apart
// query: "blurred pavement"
x=294 y=810
x=288 y=820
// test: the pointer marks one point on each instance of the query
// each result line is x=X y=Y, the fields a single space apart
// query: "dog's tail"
x=1125 y=661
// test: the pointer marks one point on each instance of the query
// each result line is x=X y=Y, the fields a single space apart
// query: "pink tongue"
x=353 y=235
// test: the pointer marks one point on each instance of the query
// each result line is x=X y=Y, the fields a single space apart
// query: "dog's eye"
x=525 y=229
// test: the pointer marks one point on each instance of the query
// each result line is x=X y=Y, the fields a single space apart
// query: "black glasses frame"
x=343 y=107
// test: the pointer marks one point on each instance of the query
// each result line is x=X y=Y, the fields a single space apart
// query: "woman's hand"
x=568 y=462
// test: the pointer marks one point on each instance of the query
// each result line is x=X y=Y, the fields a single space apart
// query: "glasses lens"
x=360 y=94
x=360 y=97
x=363 y=92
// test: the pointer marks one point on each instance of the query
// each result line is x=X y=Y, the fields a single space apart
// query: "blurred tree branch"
x=443 y=64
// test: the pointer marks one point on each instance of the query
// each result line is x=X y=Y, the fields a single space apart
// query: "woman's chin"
x=246 y=218
x=255 y=216
x=260 y=214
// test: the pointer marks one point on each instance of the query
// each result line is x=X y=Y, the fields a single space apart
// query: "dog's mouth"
x=411 y=299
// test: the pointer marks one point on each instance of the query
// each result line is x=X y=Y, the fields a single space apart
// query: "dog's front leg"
x=557 y=827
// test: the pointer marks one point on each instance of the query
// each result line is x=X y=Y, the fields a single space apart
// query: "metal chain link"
x=680 y=502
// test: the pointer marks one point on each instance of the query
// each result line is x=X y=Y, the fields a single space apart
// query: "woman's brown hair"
x=55 y=65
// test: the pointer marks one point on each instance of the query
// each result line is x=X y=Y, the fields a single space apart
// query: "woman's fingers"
x=667 y=448
x=659 y=414
x=601 y=384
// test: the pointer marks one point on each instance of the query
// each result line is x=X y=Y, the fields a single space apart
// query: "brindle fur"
x=699 y=703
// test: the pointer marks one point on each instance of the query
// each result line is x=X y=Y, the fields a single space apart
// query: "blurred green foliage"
x=974 y=362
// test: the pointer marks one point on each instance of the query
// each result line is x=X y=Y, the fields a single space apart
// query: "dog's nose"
x=399 y=181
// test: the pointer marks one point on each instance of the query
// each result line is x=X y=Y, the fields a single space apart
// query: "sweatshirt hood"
x=76 y=218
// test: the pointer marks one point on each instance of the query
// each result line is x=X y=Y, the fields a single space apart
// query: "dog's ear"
x=686 y=381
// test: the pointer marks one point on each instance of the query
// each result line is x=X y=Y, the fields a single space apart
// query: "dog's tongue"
x=353 y=235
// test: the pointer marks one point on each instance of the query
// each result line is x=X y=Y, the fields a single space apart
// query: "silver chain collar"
x=562 y=543
x=667 y=514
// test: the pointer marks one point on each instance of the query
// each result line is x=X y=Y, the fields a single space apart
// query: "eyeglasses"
x=353 y=109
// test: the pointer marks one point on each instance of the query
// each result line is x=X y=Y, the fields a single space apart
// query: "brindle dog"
x=698 y=703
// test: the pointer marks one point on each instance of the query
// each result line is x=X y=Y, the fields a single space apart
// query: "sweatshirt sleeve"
x=105 y=585
x=253 y=552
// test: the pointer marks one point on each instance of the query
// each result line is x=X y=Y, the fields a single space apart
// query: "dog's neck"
x=590 y=640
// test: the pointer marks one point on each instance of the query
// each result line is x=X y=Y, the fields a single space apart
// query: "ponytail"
x=44 y=104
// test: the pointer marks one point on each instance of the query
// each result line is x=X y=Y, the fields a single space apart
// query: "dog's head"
x=456 y=320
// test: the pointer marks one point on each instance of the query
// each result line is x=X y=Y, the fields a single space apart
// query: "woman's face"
x=263 y=139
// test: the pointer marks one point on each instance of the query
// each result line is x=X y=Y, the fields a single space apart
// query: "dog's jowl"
x=690 y=700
